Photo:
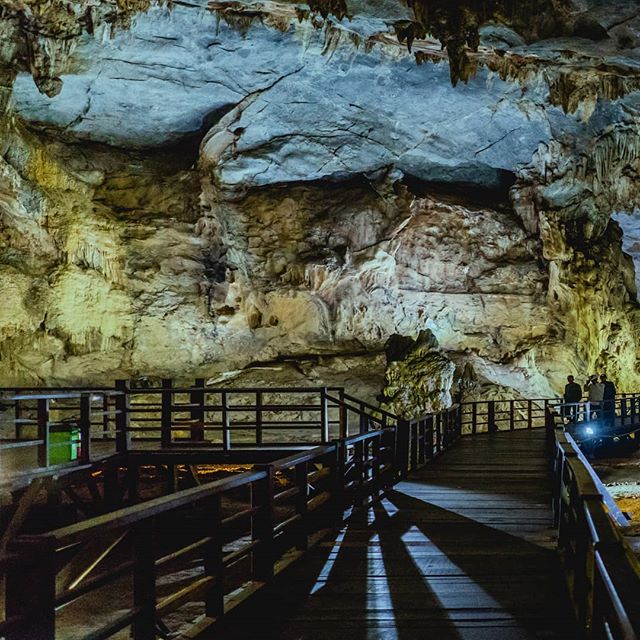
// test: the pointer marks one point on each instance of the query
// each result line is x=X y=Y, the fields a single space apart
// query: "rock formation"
x=269 y=191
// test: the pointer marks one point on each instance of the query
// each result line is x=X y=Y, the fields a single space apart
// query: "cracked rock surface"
x=267 y=199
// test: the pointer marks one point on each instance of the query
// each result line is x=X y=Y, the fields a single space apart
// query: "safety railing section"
x=602 y=572
x=622 y=412
x=489 y=416
x=241 y=532
x=57 y=426
x=228 y=417
x=431 y=435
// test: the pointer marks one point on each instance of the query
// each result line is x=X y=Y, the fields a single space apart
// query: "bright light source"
x=589 y=431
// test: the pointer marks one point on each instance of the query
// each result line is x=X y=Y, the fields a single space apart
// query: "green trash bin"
x=64 y=443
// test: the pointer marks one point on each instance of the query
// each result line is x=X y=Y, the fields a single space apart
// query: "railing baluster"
x=492 y=427
x=213 y=560
x=324 y=416
x=413 y=425
x=196 y=397
x=123 y=416
x=17 y=408
x=166 y=419
x=43 y=432
x=105 y=415
x=344 y=416
x=144 y=581
x=85 y=428
x=338 y=462
x=259 y=418
x=429 y=437
x=30 y=587
x=376 y=450
x=226 y=425
x=263 y=524
x=474 y=418
x=302 y=537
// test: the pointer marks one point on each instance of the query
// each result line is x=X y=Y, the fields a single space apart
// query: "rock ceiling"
x=257 y=186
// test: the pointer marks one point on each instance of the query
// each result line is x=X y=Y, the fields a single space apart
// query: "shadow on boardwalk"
x=448 y=555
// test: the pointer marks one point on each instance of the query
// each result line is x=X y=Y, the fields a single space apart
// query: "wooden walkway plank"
x=461 y=550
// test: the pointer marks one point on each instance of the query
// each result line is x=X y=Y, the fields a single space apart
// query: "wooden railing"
x=431 y=435
x=489 y=416
x=624 y=411
x=248 y=528
x=103 y=421
x=602 y=572
x=56 y=426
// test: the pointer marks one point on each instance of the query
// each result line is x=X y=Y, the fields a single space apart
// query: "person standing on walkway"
x=572 y=397
x=595 y=391
x=608 y=401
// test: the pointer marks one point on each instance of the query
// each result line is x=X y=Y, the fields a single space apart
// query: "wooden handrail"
x=602 y=572
x=367 y=405
x=304 y=456
x=139 y=512
x=351 y=470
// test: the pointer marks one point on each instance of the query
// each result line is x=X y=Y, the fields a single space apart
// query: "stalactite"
x=45 y=32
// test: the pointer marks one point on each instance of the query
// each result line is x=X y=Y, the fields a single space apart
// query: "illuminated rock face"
x=197 y=202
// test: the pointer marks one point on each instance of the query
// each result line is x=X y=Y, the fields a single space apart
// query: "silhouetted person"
x=608 y=401
x=572 y=397
x=595 y=390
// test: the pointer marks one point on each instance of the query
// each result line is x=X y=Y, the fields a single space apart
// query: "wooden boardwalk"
x=462 y=550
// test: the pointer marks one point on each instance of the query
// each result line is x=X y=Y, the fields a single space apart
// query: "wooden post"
x=389 y=455
x=30 y=587
x=491 y=416
x=402 y=449
x=213 y=562
x=166 y=415
x=529 y=414
x=512 y=417
x=359 y=457
x=123 y=416
x=226 y=425
x=413 y=426
x=105 y=416
x=197 y=413
x=344 y=416
x=85 y=428
x=302 y=534
x=259 y=417
x=377 y=463
x=17 y=408
x=474 y=418
x=43 y=432
x=421 y=442
x=429 y=437
x=363 y=428
x=324 y=416
x=623 y=410
x=263 y=524
x=337 y=481
x=144 y=581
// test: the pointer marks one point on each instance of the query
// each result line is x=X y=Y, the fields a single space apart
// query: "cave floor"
x=463 y=550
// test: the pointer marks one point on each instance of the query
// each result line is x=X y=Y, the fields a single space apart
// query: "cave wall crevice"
x=263 y=212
